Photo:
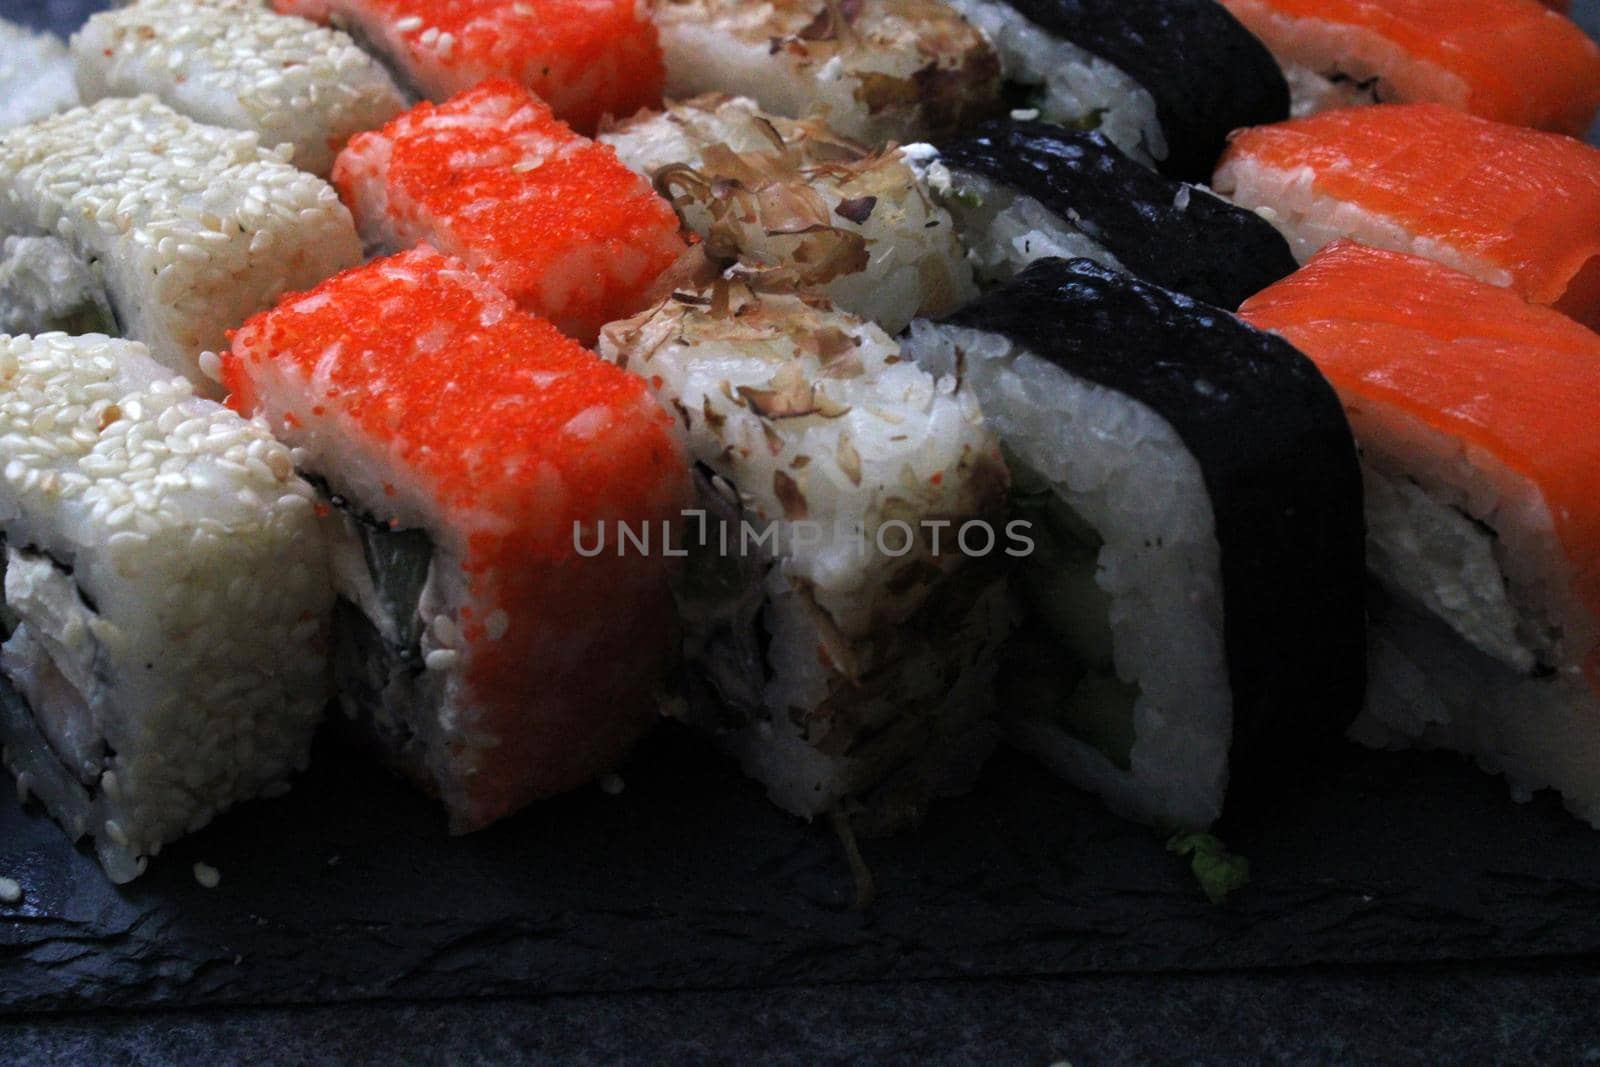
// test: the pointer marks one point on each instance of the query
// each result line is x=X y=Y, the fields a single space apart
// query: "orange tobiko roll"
x=461 y=446
x=492 y=177
x=588 y=58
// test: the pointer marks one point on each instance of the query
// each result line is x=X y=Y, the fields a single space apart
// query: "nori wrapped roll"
x=1197 y=622
x=1022 y=190
x=1201 y=73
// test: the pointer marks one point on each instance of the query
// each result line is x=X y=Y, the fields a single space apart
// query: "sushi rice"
x=187 y=228
x=798 y=202
x=493 y=177
x=1068 y=84
x=1480 y=504
x=891 y=70
x=846 y=661
x=234 y=63
x=455 y=438
x=35 y=76
x=166 y=598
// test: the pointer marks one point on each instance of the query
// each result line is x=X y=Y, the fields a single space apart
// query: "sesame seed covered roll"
x=237 y=64
x=166 y=598
x=189 y=229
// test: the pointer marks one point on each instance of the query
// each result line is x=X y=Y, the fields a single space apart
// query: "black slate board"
x=690 y=880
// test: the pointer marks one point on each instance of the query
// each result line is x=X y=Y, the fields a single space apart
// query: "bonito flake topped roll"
x=460 y=442
x=799 y=202
x=888 y=70
x=177 y=231
x=166 y=598
x=840 y=640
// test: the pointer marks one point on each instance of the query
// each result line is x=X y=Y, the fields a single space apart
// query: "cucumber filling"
x=378 y=629
x=1080 y=691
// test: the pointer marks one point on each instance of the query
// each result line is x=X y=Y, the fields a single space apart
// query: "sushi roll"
x=585 y=58
x=35 y=76
x=1195 y=629
x=885 y=70
x=802 y=205
x=1512 y=61
x=492 y=177
x=167 y=598
x=1025 y=191
x=460 y=446
x=1165 y=80
x=234 y=63
x=185 y=230
x=1511 y=207
x=1475 y=413
x=844 y=594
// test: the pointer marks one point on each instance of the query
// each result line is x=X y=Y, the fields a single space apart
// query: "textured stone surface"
x=348 y=889
x=1419 y=1016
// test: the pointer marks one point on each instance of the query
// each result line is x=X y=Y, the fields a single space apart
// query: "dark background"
x=1402 y=910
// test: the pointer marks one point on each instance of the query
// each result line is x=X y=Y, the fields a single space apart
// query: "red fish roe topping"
x=513 y=429
x=588 y=58
x=550 y=217
x=497 y=434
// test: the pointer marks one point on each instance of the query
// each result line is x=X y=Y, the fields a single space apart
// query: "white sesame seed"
x=441 y=659
x=208 y=876
x=612 y=784
x=10 y=891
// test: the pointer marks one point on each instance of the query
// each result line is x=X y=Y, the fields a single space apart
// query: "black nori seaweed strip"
x=1210 y=250
x=1281 y=469
x=1208 y=74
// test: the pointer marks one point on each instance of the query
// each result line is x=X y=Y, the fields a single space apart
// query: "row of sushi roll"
x=511 y=372
x=1165 y=80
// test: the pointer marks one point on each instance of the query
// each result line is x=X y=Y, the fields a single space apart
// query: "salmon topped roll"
x=460 y=446
x=1476 y=416
x=1512 y=207
x=586 y=58
x=1513 y=61
x=491 y=176
x=888 y=70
